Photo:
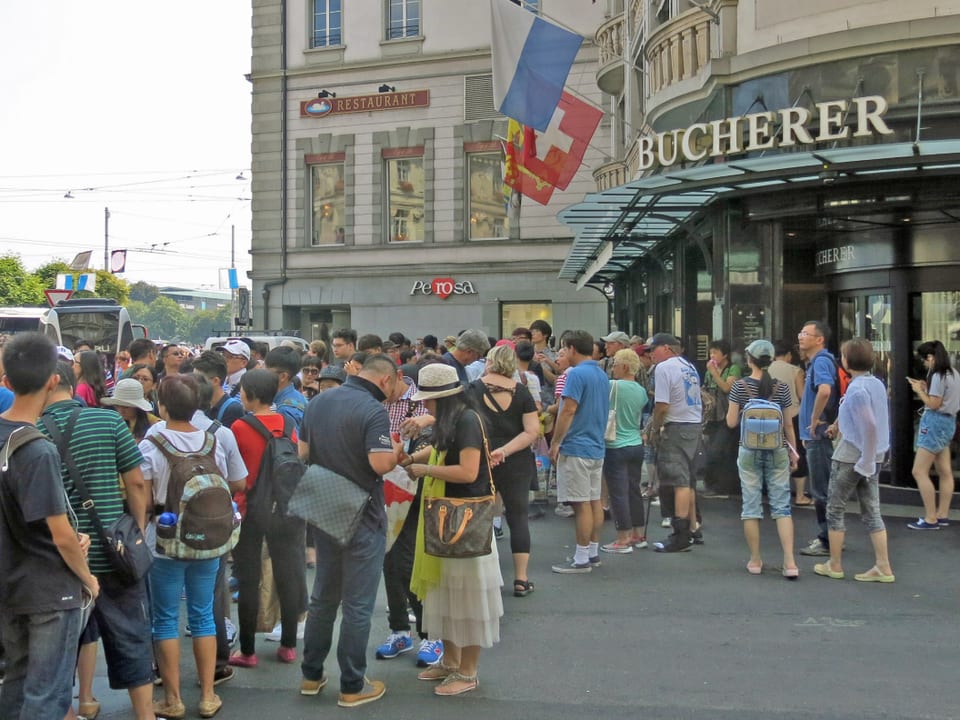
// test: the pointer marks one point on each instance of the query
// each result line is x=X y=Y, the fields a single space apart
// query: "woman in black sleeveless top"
x=510 y=416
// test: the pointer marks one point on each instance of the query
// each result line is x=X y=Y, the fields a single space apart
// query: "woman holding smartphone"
x=940 y=395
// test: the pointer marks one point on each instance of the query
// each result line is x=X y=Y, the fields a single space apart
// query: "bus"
x=103 y=322
x=15 y=320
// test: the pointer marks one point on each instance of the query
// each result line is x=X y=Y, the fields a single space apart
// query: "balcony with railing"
x=678 y=50
x=611 y=175
x=610 y=38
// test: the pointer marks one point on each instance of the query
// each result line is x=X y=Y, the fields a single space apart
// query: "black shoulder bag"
x=123 y=541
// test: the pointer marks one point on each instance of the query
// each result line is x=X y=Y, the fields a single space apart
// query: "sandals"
x=522 y=588
x=436 y=672
x=88 y=710
x=457 y=684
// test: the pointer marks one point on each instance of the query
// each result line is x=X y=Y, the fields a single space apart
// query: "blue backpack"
x=761 y=423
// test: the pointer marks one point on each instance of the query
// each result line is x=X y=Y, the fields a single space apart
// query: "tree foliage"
x=17 y=286
x=163 y=317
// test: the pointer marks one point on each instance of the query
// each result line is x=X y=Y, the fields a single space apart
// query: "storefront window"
x=488 y=201
x=514 y=315
x=327 y=188
x=405 y=189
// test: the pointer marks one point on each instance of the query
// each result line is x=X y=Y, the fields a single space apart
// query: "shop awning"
x=614 y=228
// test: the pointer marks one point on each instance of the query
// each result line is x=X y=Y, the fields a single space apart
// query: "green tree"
x=47 y=274
x=204 y=322
x=144 y=292
x=17 y=286
x=165 y=319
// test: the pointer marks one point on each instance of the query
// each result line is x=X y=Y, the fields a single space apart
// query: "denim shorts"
x=759 y=467
x=167 y=578
x=936 y=431
x=41 y=657
x=844 y=480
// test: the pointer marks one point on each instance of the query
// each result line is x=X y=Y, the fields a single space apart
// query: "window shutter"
x=478 y=98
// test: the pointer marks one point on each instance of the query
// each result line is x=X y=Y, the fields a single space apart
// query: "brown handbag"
x=460 y=527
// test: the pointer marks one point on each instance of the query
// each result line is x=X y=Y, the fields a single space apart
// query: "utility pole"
x=234 y=310
x=106 y=239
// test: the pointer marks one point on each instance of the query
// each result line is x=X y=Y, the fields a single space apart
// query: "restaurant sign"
x=766 y=130
x=377 y=102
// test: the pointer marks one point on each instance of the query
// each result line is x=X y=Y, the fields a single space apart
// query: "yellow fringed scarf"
x=426 y=568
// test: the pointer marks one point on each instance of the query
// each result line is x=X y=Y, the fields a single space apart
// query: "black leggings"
x=514 y=479
x=285 y=543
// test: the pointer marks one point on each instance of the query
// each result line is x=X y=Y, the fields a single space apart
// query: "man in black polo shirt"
x=347 y=430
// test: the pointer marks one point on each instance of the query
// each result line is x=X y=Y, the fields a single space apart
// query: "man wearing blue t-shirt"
x=817 y=392
x=578 y=447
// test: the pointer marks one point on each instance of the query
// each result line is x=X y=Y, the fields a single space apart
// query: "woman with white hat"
x=129 y=401
x=461 y=597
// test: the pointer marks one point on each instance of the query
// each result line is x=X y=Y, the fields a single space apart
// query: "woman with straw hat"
x=461 y=597
x=129 y=401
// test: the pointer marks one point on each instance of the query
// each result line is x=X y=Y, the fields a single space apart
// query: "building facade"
x=775 y=162
x=378 y=201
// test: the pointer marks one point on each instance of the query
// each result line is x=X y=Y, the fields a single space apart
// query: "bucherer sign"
x=765 y=130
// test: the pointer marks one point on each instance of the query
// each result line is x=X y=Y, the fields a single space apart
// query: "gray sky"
x=136 y=106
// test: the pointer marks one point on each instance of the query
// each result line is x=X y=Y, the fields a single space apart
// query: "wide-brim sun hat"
x=437 y=380
x=128 y=393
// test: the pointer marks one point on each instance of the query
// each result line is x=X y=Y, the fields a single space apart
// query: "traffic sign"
x=55 y=296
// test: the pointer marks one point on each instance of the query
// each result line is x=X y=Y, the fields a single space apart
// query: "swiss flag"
x=561 y=149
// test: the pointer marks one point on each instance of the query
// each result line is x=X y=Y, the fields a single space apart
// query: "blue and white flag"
x=86 y=281
x=531 y=60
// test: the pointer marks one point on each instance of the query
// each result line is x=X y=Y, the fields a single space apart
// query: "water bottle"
x=167 y=526
x=237 y=517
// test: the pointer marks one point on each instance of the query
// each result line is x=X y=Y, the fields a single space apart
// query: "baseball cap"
x=333 y=372
x=662 y=339
x=618 y=337
x=64 y=353
x=761 y=348
x=236 y=347
x=641 y=348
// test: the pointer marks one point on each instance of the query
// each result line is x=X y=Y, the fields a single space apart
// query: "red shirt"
x=251 y=445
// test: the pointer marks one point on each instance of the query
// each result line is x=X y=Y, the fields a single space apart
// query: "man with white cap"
x=236 y=353
x=675 y=430
x=614 y=342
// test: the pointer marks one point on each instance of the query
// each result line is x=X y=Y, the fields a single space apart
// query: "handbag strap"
x=615 y=391
x=486 y=452
x=62 y=441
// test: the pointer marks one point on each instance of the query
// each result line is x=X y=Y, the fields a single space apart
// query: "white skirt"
x=466 y=607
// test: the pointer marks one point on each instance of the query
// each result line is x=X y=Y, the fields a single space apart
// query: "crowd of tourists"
x=176 y=450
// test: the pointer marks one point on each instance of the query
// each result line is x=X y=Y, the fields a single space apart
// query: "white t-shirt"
x=236 y=469
x=677 y=383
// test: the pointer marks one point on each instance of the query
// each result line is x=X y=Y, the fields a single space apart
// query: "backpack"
x=201 y=499
x=841 y=380
x=279 y=473
x=231 y=400
x=761 y=423
x=16 y=440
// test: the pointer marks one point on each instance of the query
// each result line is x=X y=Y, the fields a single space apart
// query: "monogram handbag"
x=460 y=527
x=330 y=502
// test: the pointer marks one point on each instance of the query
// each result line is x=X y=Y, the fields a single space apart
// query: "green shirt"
x=628 y=398
x=103 y=449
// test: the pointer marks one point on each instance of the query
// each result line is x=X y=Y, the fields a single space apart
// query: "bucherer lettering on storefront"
x=765 y=130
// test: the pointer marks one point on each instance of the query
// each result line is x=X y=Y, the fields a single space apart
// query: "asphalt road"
x=690 y=635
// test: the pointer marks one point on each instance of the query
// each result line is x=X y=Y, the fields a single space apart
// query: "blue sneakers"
x=394 y=645
x=430 y=653
x=922 y=524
